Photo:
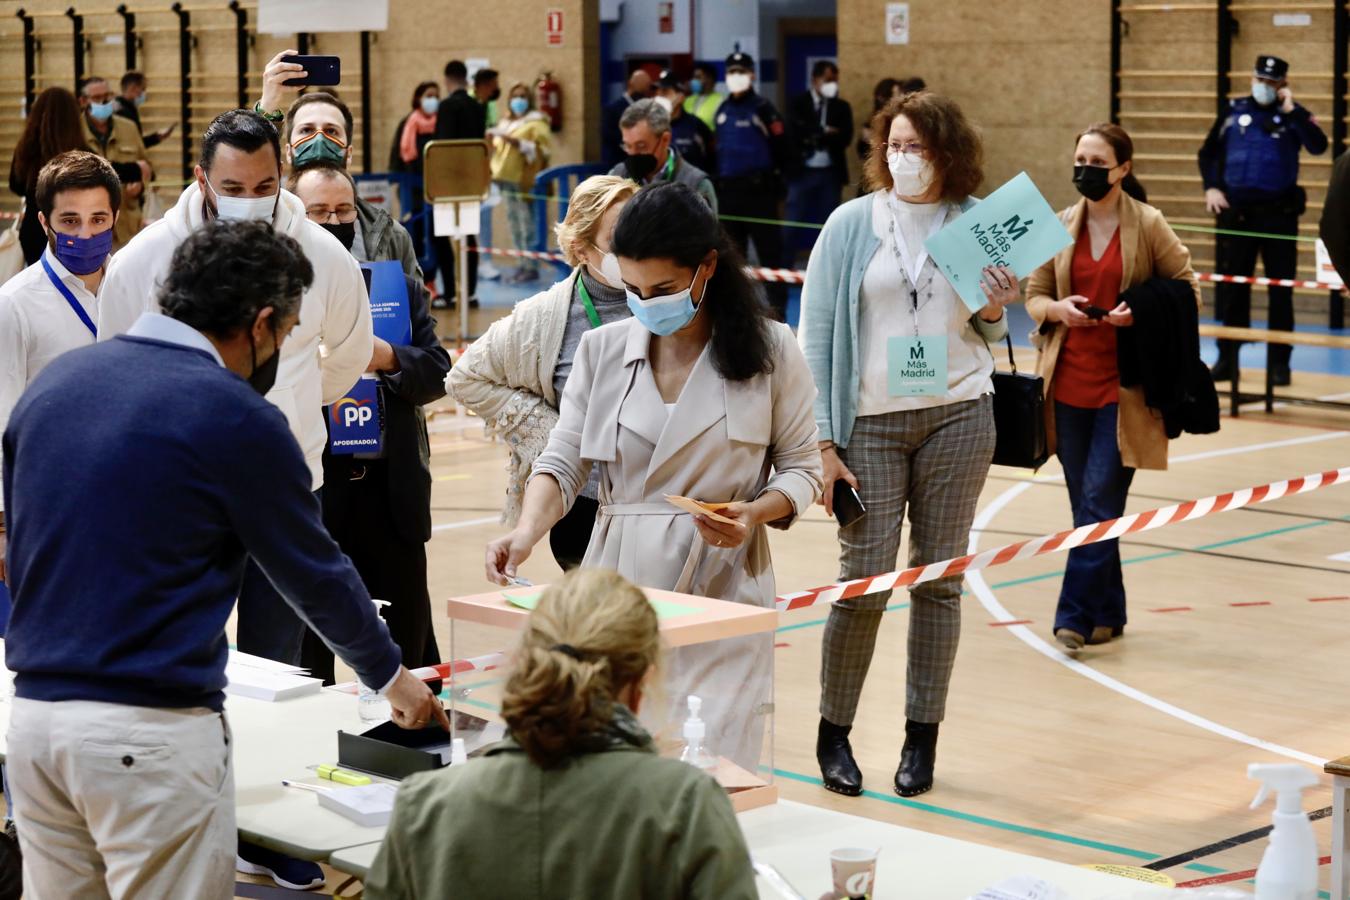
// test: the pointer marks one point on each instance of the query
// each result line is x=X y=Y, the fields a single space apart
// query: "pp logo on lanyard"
x=356 y=422
x=916 y=366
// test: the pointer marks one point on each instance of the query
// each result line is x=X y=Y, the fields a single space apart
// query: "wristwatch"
x=275 y=115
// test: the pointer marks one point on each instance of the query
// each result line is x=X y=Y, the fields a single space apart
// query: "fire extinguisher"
x=548 y=100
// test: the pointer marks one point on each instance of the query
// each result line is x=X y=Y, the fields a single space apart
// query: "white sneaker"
x=489 y=271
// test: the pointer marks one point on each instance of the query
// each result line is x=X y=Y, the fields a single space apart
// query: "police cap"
x=667 y=79
x=1271 y=67
x=740 y=60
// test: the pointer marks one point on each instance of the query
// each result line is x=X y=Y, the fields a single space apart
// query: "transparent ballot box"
x=721 y=652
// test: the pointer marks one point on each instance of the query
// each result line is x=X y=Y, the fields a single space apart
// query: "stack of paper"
x=369 y=805
x=265 y=679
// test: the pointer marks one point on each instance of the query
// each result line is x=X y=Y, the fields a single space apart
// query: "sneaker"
x=489 y=271
x=1069 y=641
x=528 y=275
x=288 y=872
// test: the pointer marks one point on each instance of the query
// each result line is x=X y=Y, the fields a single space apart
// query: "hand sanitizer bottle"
x=458 y=753
x=695 y=752
x=1288 y=869
x=372 y=705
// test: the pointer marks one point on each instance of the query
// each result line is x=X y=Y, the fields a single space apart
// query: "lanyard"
x=70 y=298
x=586 y=302
x=669 y=167
x=914 y=264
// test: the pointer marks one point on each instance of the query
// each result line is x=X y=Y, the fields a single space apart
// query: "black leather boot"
x=917 y=757
x=837 y=767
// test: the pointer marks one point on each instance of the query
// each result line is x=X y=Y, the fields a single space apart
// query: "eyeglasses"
x=321 y=214
x=909 y=148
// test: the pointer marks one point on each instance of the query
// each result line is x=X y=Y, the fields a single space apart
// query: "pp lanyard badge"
x=356 y=422
x=916 y=366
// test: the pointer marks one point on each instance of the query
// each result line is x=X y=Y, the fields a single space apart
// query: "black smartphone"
x=1093 y=312
x=848 y=507
x=319 y=71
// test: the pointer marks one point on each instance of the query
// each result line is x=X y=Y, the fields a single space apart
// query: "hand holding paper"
x=1012 y=227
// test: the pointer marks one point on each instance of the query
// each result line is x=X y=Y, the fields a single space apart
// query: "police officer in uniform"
x=1249 y=163
x=751 y=150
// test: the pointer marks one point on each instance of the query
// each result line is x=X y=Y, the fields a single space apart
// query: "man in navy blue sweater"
x=137 y=474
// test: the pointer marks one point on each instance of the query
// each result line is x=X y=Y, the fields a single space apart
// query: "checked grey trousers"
x=930 y=463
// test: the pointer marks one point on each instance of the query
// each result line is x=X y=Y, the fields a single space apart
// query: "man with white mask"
x=239 y=177
x=820 y=130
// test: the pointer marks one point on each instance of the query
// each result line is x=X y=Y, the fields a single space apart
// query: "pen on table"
x=300 y=785
x=519 y=582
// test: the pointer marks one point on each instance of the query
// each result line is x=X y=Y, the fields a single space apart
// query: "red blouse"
x=1086 y=375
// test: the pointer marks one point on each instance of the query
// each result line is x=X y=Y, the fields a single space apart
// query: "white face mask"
x=608 y=272
x=829 y=90
x=242 y=209
x=1263 y=93
x=911 y=173
x=664 y=103
x=738 y=82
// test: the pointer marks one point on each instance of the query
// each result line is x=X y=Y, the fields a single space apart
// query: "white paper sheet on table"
x=265 y=679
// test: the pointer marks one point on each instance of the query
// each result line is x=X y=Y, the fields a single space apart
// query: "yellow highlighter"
x=340 y=776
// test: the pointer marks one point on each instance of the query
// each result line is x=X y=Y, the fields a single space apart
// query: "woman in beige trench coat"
x=699 y=395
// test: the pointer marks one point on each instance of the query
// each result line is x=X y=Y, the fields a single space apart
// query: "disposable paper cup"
x=855 y=871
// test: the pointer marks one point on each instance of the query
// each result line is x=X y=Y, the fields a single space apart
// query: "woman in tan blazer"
x=700 y=394
x=1100 y=431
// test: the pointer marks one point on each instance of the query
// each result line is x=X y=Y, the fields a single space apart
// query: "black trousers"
x=1236 y=255
x=572 y=535
x=360 y=519
x=445 y=263
x=756 y=197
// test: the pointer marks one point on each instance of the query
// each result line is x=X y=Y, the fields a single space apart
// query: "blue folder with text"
x=389 y=313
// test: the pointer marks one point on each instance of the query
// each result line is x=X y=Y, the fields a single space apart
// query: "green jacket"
x=615 y=822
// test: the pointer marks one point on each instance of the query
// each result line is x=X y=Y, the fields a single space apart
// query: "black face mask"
x=640 y=165
x=1093 y=182
x=265 y=376
x=343 y=231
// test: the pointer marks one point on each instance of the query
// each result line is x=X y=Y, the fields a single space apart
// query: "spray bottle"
x=370 y=703
x=1288 y=869
x=695 y=752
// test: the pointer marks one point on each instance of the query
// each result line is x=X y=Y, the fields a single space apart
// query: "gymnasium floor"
x=1136 y=754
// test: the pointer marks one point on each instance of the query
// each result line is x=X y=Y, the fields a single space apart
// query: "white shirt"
x=334 y=312
x=886 y=310
x=36 y=326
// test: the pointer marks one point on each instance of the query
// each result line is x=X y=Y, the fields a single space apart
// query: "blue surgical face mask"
x=667 y=314
x=1263 y=93
x=101 y=111
x=430 y=104
x=81 y=255
x=519 y=106
x=140 y=99
x=696 y=85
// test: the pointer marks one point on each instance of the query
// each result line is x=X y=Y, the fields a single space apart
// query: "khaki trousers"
x=115 y=801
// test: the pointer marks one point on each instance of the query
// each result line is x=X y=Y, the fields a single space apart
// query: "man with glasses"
x=377 y=505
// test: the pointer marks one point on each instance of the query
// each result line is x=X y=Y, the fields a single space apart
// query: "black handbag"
x=1019 y=417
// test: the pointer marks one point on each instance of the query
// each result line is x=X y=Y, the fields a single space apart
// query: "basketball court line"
x=1000 y=613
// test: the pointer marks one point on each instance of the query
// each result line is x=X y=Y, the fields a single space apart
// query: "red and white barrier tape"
x=1266 y=282
x=440 y=671
x=1064 y=540
x=794 y=276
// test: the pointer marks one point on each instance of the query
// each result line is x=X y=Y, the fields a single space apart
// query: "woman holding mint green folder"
x=905 y=411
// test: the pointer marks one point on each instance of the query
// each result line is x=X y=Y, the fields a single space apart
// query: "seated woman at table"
x=702 y=395
x=513 y=376
x=575 y=802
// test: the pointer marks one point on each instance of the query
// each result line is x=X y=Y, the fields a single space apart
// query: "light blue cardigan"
x=829 y=319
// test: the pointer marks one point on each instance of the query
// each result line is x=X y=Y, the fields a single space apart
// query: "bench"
x=1261 y=335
